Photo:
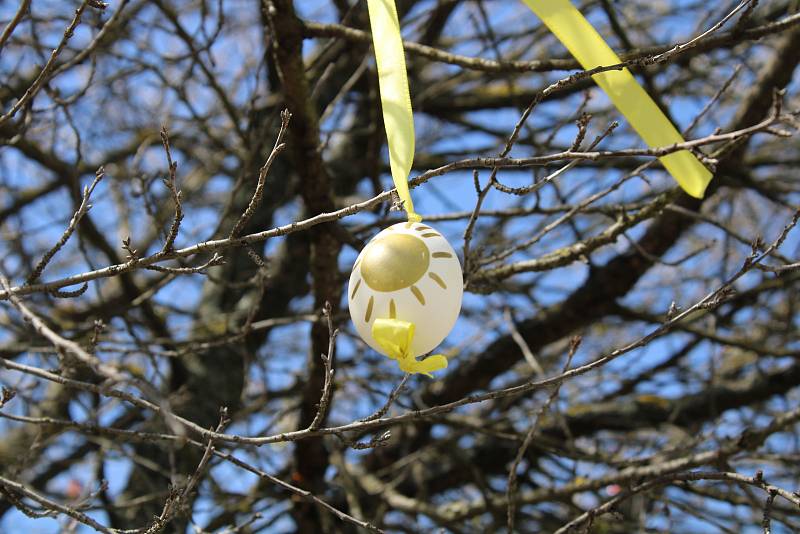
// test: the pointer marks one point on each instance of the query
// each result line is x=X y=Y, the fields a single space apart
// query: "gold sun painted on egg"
x=395 y=262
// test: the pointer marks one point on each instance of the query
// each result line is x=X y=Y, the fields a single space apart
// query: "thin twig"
x=82 y=210
x=37 y=84
x=511 y=487
x=176 y=498
x=473 y=218
x=215 y=260
x=171 y=184
x=389 y=401
x=765 y=521
x=258 y=194
x=327 y=359
x=59 y=342
x=546 y=180
x=522 y=344
x=672 y=478
x=307 y=495
x=15 y=20
x=49 y=504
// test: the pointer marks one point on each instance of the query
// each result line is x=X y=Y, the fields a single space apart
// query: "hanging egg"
x=407 y=272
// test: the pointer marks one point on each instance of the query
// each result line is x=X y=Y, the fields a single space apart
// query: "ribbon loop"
x=394 y=337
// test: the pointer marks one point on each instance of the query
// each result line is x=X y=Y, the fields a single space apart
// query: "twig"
x=327 y=389
x=389 y=401
x=171 y=184
x=59 y=342
x=521 y=343
x=583 y=126
x=713 y=100
x=258 y=194
x=546 y=180
x=73 y=223
x=779 y=269
x=671 y=478
x=745 y=17
x=581 y=207
x=765 y=521
x=473 y=218
x=658 y=261
x=511 y=487
x=216 y=259
x=573 y=252
x=378 y=440
x=64 y=294
x=135 y=262
x=43 y=75
x=307 y=495
x=51 y=505
x=677 y=49
x=175 y=499
x=100 y=37
x=12 y=24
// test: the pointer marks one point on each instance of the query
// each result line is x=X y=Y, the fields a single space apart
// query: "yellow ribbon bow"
x=395 y=337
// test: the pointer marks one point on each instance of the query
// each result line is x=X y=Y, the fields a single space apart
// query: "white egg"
x=411 y=273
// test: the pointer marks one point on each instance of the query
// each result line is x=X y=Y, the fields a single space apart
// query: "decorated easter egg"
x=408 y=272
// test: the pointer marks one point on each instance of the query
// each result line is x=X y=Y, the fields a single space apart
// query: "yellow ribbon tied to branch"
x=395 y=336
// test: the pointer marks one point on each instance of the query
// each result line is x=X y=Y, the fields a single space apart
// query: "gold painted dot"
x=418 y=294
x=442 y=255
x=438 y=279
x=358 y=284
x=394 y=262
x=392 y=310
x=369 y=309
x=422 y=228
x=431 y=234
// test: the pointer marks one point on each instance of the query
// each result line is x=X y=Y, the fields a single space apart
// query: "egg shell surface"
x=408 y=272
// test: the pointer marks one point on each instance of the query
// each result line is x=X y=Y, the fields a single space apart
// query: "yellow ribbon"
x=395 y=99
x=591 y=51
x=395 y=337
x=583 y=42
